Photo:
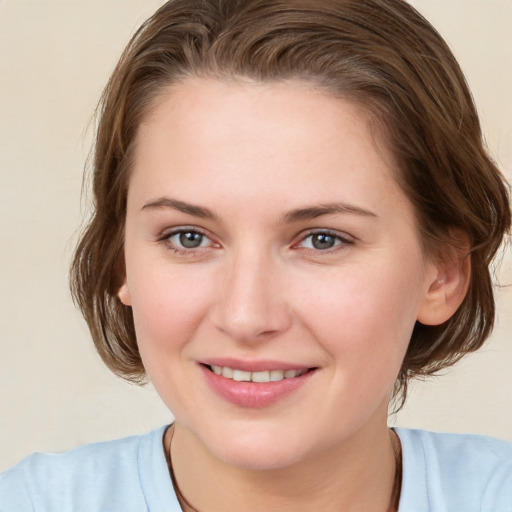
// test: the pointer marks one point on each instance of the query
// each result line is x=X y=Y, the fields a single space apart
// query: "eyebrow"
x=190 y=209
x=299 y=214
x=313 y=212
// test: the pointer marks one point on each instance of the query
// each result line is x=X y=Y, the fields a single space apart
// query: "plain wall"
x=55 y=57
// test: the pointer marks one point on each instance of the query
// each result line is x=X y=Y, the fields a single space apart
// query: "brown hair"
x=381 y=54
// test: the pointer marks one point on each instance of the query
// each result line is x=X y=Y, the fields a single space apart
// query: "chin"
x=257 y=448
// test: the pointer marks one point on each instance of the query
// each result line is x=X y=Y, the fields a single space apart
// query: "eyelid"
x=343 y=238
x=167 y=232
x=165 y=235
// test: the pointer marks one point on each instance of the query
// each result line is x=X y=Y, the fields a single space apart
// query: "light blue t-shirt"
x=441 y=473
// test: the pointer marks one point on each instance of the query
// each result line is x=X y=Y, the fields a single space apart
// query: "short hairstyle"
x=380 y=54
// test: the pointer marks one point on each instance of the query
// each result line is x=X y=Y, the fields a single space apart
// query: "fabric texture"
x=455 y=473
x=126 y=475
x=441 y=473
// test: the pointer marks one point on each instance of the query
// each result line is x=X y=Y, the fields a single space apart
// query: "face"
x=273 y=267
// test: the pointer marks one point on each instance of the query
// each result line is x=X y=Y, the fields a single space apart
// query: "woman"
x=294 y=215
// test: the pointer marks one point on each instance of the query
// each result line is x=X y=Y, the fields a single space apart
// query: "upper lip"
x=253 y=366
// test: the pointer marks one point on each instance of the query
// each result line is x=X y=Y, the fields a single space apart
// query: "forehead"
x=284 y=139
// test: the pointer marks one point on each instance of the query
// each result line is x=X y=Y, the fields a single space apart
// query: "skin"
x=257 y=288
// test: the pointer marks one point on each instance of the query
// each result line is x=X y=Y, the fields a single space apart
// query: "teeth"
x=276 y=375
x=260 y=376
x=241 y=376
x=264 y=376
x=227 y=372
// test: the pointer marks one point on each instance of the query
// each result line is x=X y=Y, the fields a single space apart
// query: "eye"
x=323 y=241
x=188 y=239
x=184 y=240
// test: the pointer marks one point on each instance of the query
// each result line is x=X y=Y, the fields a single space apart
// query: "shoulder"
x=455 y=472
x=85 y=478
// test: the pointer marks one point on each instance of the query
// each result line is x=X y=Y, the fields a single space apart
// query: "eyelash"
x=340 y=242
x=184 y=251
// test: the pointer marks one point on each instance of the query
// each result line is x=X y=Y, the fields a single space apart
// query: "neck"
x=358 y=474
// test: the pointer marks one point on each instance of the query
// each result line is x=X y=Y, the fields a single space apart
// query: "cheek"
x=168 y=308
x=364 y=318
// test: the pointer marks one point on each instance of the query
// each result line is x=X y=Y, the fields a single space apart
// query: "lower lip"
x=253 y=394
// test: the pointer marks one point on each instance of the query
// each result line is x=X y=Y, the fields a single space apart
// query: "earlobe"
x=123 y=294
x=446 y=290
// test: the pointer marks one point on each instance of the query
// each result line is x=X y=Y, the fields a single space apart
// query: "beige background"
x=55 y=57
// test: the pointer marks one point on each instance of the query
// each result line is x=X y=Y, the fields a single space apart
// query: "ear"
x=123 y=294
x=447 y=282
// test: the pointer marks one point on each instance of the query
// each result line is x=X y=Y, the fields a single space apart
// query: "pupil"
x=190 y=240
x=322 y=241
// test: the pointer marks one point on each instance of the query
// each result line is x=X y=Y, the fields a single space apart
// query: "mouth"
x=255 y=384
x=261 y=377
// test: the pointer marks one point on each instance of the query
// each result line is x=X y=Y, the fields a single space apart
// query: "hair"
x=380 y=54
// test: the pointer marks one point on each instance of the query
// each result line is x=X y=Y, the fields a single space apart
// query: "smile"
x=259 y=377
x=256 y=385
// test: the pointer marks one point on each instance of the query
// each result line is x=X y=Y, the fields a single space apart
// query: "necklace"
x=186 y=506
x=397 y=482
x=181 y=499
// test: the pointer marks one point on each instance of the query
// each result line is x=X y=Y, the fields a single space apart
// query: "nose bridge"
x=251 y=304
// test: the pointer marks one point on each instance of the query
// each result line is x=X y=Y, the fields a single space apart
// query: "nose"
x=251 y=304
